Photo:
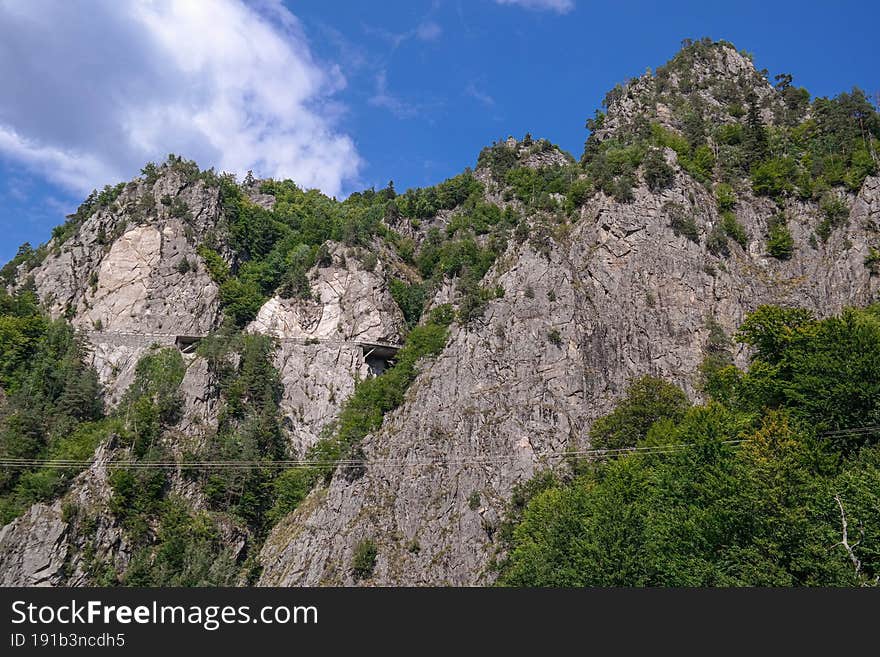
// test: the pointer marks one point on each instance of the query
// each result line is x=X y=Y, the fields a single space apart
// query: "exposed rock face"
x=317 y=379
x=627 y=298
x=201 y=403
x=138 y=284
x=652 y=97
x=45 y=547
x=33 y=548
x=121 y=273
x=349 y=304
x=587 y=307
x=320 y=358
x=120 y=268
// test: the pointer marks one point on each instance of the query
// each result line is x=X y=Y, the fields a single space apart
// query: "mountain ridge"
x=540 y=287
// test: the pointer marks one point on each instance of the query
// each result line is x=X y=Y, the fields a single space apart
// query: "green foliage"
x=439 y=257
x=835 y=211
x=217 y=267
x=682 y=223
x=835 y=146
x=724 y=197
x=26 y=258
x=187 y=550
x=716 y=243
x=180 y=209
x=150 y=172
x=780 y=243
x=770 y=329
x=872 y=260
x=826 y=372
x=53 y=406
x=774 y=177
x=730 y=134
x=533 y=186
x=648 y=400
x=755 y=140
x=153 y=401
x=46 y=483
x=831 y=148
x=747 y=492
x=579 y=192
x=427 y=202
x=173 y=545
x=290 y=488
x=734 y=229
x=241 y=300
x=658 y=174
x=410 y=298
x=363 y=559
x=612 y=166
x=94 y=202
x=701 y=164
x=499 y=158
x=718 y=376
x=184 y=266
x=272 y=250
x=474 y=299
x=502 y=156
x=697 y=159
x=137 y=494
x=249 y=428
x=22 y=325
x=669 y=139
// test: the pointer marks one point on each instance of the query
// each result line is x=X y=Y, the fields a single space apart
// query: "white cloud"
x=559 y=6
x=88 y=97
x=474 y=92
x=429 y=31
x=424 y=31
x=385 y=99
x=75 y=170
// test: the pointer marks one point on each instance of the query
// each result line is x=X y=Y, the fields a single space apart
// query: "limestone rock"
x=349 y=304
x=627 y=297
x=320 y=355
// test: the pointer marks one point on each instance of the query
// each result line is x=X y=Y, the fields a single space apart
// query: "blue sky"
x=345 y=95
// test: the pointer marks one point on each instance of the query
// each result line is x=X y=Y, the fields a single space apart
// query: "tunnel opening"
x=379 y=357
x=187 y=344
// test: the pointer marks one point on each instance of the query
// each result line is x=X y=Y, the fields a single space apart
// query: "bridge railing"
x=124 y=338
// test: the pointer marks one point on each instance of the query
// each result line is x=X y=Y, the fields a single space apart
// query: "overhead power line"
x=486 y=459
x=307 y=463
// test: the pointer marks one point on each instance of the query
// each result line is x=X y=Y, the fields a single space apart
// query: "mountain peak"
x=708 y=80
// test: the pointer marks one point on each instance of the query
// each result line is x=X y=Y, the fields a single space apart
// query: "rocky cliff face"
x=67 y=542
x=580 y=308
x=121 y=282
x=627 y=297
x=321 y=353
x=120 y=277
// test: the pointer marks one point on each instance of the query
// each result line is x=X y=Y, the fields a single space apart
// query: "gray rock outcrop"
x=626 y=297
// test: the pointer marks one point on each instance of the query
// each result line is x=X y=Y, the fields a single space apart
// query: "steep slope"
x=128 y=272
x=624 y=292
x=507 y=399
x=259 y=323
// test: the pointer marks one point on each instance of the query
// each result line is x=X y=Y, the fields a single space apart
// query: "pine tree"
x=755 y=136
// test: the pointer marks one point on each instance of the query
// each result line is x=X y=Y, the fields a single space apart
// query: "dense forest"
x=53 y=410
x=775 y=481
